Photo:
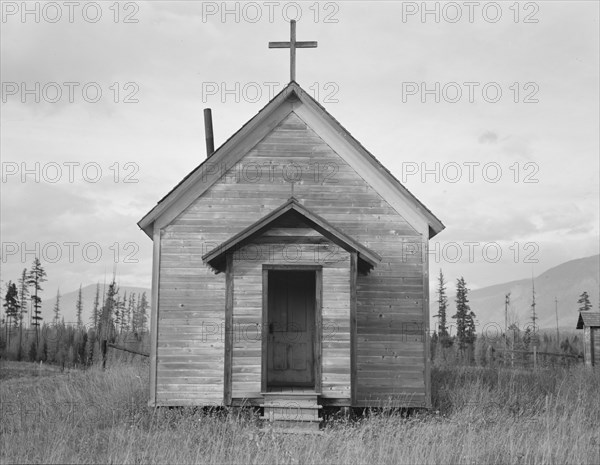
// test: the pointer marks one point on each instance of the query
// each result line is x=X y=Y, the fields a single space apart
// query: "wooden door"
x=291 y=332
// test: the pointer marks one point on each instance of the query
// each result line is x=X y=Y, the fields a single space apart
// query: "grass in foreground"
x=479 y=416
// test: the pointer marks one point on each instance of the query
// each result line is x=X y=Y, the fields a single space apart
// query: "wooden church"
x=290 y=266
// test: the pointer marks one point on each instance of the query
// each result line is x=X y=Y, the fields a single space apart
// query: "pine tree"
x=123 y=309
x=107 y=328
x=45 y=351
x=527 y=338
x=584 y=302
x=82 y=347
x=133 y=303
x=33 y=351
x=465 y=323
x=120 y=310
x=534 y=317
x=96 y=308
x=79 y=308
x=11 y=304
x=130 y=312
x=515 y=334
x=56 y=310
x=135 y=316
x=442 y=307
x=15 y=305
x=470 y=332
x=117 y=312
x=142 y=313
x=37 y=275
x=23 y=295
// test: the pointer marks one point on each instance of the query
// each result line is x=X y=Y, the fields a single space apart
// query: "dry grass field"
x=480 y=416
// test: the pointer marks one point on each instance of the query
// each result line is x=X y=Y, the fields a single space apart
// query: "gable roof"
x=291 y=98
x=588 y=318
x=216 y=257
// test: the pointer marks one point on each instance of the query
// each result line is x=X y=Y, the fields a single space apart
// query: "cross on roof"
x=293 y=45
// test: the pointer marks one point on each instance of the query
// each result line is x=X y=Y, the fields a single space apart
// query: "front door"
x=291 y=332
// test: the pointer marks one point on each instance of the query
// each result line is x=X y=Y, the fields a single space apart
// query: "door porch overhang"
x=292 y=209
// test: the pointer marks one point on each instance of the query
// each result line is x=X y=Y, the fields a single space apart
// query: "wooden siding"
x=591 y=345
x=191 y=319
x=390 y=316
x=587 y=345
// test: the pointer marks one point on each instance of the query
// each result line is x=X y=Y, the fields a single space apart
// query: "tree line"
x=115 y=317
x=465 y=340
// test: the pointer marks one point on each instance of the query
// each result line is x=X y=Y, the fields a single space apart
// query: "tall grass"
x=480 y=415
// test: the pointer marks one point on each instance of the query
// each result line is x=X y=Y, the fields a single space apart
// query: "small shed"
x=589 y=321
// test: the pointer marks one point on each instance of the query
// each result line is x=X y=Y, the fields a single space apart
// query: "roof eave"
x=214 y=257
x=435 y=226
x=146 y=223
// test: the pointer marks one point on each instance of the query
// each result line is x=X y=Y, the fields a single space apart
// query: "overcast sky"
x=488 y=115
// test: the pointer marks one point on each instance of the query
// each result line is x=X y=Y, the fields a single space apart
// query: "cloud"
x=517 y=145
x=171 y=52
x=488 y=137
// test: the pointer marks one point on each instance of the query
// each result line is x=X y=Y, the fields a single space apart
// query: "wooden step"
x=292 y=408
x=291 y=404
x=286 y=425
x=291 y=419
x=316 y=432
x=291 y=415
x=291 y=411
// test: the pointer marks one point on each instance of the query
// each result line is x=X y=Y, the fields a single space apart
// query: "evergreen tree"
x=442 y=307
x=527 y=338
x=23 y=296
x=584 y=302
x=119 y=313
x=79 y=308
x=81 y=348
x=56 y=310
x=45 y=351
x=123 y=310
x=107 y=327
x=96 y=308
x=465 y=323
x=37 y=275
x=130 y=312
x=11 y=305
x=142 y=313
x=135 y=316
x=33 y=352
x=470 y=332
x=515 y=333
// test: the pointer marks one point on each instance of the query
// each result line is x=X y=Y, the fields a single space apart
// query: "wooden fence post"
x=104 y=350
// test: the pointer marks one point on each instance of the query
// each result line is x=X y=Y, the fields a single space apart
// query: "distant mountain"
x=564 y=282
x=88 y=293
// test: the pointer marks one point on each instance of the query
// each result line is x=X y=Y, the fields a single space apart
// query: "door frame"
x=317 y=341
